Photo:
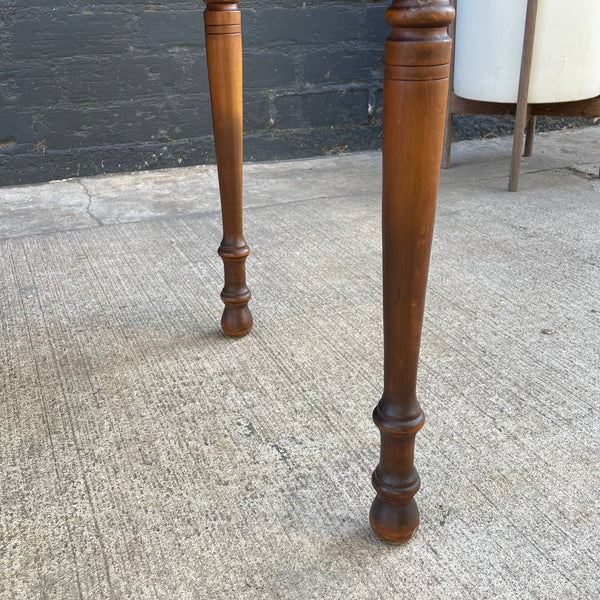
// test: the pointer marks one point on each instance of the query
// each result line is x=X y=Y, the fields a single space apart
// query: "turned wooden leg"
x=417 y=56
x=222 y=20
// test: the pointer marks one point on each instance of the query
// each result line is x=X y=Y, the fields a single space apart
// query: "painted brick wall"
x=104 y=86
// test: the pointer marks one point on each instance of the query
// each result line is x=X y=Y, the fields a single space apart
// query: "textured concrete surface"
x=144 y=455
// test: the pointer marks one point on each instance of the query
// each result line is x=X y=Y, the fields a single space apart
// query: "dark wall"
x=104 y=86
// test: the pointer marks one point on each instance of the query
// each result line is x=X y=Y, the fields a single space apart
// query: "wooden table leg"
x=222 y=20
x=417 y=56
x=523 y=111
x=447 y=149
x=529 y=135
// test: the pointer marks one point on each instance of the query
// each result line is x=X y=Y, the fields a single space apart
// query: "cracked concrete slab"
x=150 y=195
x=194 y=190
x=44 y=208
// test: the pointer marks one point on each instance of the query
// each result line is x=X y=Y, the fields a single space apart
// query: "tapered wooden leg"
x=447 y=150
x=417 y=56
x=222 y=20
x=523 y=111
x=529 y=136
x=521 y=120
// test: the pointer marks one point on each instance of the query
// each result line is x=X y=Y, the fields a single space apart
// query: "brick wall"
x=104 y=86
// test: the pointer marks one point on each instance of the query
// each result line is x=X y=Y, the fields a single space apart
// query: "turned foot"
x=236 y=320
x=394 y=523
x=394 y=514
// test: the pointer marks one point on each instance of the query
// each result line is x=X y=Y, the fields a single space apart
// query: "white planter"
x=489 y=44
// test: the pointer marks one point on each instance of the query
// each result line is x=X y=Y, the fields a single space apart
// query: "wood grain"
x=222 y=20
x=417 y=62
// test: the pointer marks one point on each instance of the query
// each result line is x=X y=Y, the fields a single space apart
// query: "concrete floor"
x=144 y=455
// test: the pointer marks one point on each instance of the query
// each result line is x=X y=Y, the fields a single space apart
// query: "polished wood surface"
x=417 y=57
x=222 y=20
x=417 y=64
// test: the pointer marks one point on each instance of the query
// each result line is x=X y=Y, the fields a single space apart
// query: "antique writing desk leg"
x=222 y=20
x=417 y=56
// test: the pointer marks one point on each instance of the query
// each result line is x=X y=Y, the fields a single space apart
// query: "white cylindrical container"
x=489 y=45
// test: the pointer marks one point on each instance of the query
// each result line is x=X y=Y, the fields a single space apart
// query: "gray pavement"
x=145 y=455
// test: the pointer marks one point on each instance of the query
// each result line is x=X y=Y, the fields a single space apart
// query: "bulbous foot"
x=236 y=320
x=394 y=523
